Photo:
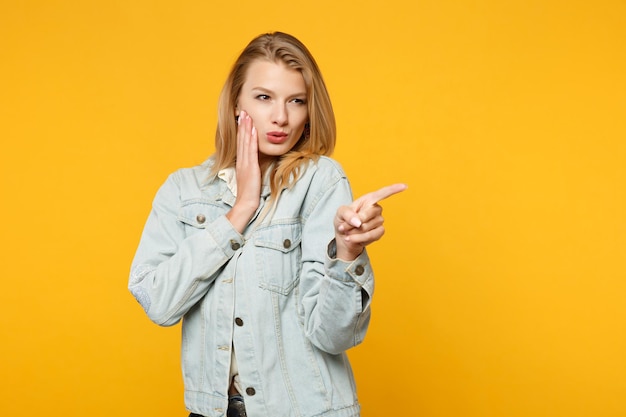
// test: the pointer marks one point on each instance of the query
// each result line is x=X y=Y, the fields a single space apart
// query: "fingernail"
x=341 y=228
x=253 y=130
x=355 y=222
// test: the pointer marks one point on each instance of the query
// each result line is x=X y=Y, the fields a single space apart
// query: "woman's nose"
x=280 y=115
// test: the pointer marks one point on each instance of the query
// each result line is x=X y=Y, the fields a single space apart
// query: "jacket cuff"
x=226 y=237
x=358 y=270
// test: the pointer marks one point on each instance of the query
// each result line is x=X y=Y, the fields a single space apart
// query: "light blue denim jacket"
x=275 y=293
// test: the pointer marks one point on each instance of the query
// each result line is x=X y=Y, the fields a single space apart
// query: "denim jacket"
x=276 y=293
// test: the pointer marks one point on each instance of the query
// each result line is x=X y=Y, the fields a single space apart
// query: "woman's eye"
x=299 y=101
x=263 y=97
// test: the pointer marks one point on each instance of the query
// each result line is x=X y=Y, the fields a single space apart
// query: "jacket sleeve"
x=335 y=295
x=171 y=272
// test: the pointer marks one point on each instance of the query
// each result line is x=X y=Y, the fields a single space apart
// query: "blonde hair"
x=277 y=47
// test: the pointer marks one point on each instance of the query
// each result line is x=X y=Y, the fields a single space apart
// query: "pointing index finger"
x=380 y=194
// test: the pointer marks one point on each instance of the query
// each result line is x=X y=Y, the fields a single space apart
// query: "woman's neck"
x=265 y=163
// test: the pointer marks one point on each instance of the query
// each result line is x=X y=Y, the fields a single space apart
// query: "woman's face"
x=274 y=96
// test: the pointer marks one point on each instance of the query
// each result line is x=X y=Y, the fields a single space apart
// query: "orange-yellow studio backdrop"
x=501 y=281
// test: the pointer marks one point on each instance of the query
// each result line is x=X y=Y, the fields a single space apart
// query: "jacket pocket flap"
x=197 y=213
x=280 y=237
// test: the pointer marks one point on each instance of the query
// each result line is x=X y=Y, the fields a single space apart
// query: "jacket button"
x=250 y=391
x=234 y=245
x=238 y=322
x=287 y=243
x=200 y=218
x=359 y=270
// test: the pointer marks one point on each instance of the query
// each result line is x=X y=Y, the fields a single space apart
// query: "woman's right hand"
x=248 y=174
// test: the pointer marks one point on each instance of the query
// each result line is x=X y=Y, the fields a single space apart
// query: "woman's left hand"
x=361 y=223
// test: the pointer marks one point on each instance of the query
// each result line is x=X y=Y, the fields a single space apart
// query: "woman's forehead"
x=273 y=76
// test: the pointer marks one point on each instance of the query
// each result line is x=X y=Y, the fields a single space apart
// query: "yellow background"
x=501 y=281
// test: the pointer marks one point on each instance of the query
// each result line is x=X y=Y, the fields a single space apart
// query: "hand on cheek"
x=248 y=173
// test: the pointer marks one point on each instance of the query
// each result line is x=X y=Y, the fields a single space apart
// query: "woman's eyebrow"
x=267 y=90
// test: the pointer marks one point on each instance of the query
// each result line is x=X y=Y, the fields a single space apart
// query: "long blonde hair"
x=278 y=47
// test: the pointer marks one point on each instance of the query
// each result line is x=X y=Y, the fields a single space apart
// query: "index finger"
x=380 y=194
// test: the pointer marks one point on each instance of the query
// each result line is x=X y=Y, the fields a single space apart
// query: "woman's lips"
x=276 y=137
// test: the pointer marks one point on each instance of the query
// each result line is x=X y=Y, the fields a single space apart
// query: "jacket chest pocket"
x=278 y=256
x=196 y=215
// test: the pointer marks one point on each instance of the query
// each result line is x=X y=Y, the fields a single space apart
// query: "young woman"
x=260 y=250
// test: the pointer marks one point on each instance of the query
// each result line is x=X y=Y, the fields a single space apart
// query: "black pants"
x=235 y=408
